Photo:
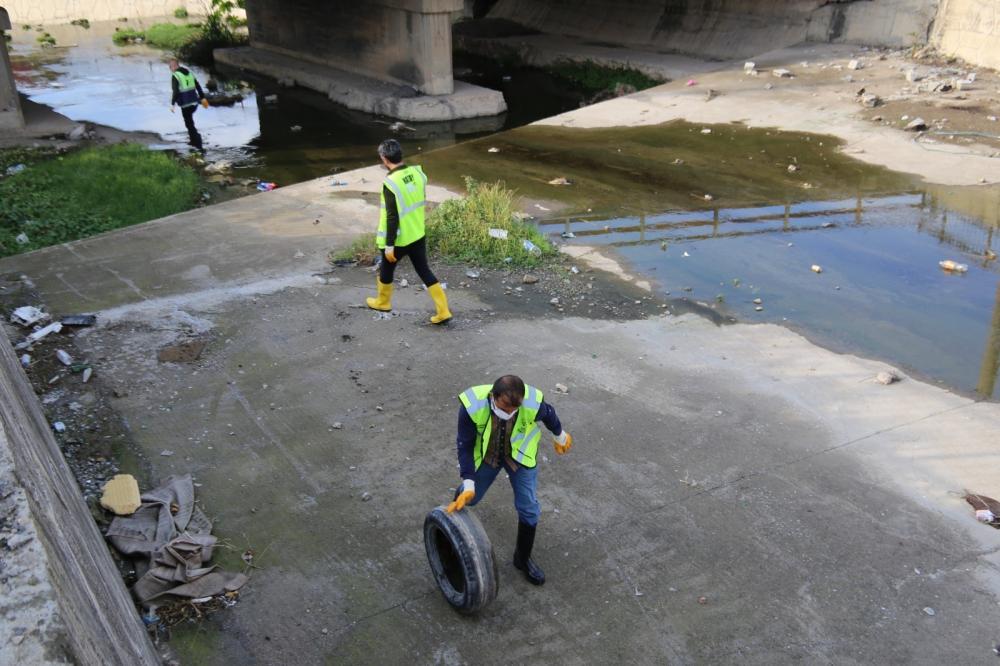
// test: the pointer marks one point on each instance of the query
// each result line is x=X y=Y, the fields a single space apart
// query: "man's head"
x=508 y=392
x=173 y=64
x=391 y=153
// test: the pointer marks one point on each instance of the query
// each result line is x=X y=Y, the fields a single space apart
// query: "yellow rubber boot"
x=441 y=302
x=383 y=301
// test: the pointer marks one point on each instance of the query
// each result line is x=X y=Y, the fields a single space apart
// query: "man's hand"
x=171 y=108
x=467 y=494
x=563 y=442
x=204 y=102
x=390 y=255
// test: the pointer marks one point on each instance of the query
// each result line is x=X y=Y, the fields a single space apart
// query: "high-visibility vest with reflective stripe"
x=524 y=437
x=409 y=185
x=186 y=88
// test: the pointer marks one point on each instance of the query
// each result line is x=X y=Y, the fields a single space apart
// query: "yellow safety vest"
x=409 y=185
x=524 y=437
x=186 y=88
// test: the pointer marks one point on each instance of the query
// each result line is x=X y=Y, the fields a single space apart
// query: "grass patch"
x=180 y=13
x=594 y=78
x=171 y=36
x=59 y=199
x=459 y=230
x=83 y=23
x=46 y=40
x=123 y=36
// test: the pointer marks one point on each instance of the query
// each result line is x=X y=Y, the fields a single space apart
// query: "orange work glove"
x=563 y=443
x=204 y=102
x=390 y=255
x=467 y=494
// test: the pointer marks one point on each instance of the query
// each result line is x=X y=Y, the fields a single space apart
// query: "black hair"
x=391 y=150
x=510 y=387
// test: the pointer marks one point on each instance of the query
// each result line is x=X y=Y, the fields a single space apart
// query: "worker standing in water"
x=401 y=230
x=187 y=94
x=498 y=429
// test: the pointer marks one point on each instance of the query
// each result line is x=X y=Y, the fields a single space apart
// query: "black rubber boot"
x=522 y=554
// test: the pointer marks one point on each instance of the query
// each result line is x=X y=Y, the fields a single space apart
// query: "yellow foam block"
x=121 y=495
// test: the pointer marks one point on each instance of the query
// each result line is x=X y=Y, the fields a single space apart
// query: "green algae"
x=628 y=170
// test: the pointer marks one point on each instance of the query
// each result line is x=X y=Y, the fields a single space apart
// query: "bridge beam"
x=397 y=41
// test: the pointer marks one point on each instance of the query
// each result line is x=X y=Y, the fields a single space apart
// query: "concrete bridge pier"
x=11 y=119
x=391 y=57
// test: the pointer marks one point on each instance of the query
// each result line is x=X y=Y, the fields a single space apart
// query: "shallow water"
x=881 y=292
x=88 y=78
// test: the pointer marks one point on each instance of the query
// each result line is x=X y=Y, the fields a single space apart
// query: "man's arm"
x=547 y=415
x=175 y=90
x=466 y=443
x=197 y=86
x=392 y=218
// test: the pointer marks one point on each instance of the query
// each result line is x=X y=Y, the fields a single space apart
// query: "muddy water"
x=878 y=236
x=300 y=136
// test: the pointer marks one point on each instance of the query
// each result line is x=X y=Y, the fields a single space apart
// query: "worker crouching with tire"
x=497 y=428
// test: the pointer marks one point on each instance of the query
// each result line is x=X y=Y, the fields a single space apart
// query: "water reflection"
x=880 y=292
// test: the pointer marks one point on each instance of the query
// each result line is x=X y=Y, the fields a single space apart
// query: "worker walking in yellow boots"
x=401 y=230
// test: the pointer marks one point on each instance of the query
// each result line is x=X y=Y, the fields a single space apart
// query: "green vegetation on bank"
x=82 y=22
x=180 y=13
x=594 y=78
x=191 y=42
x=59 y=198
x=459 y=230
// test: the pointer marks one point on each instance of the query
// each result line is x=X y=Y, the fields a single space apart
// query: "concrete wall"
x=400 y=41
x=725 y=28
x=11 y=119
x=970 y=29
x=90 y=617
x=64 y=11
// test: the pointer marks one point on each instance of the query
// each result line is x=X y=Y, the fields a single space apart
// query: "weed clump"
x=460 y=230
x=596 y=79
x=82 y=22
x=46 y=40
x=123 y=36
x=181 y=13
x=62 y=198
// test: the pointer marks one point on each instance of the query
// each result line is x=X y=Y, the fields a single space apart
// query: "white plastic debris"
x=749 y=67
x=855 y=64
x=781 y=73
x=54 y=327
x=985 y=516
x=59 y=426
x=953 y=266
x=64 y=357
x=28 y=315
x=706 y=130
x=498 y=233
x=816 y=268
x=87 y=373
x=493 y=150
x=562 y=388
x=25 y=360
x=531 y=247
x=22 y=238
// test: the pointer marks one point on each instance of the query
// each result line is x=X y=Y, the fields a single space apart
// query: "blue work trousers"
x=523 y=482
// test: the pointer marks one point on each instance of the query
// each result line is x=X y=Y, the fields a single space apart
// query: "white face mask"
x=502 y=415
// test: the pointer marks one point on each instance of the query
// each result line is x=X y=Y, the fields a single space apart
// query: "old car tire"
x=461 y=559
